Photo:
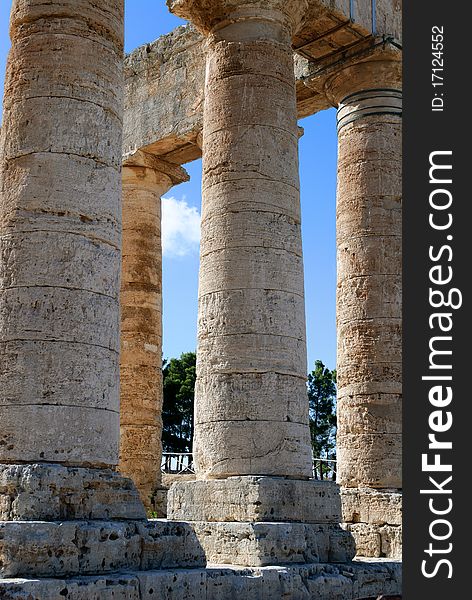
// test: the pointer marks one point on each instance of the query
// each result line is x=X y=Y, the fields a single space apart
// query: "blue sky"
x=146 y=20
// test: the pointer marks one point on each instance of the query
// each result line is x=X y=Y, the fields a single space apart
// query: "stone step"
x=71 y=548
x=261 y=544
x=52 y=492
x=354 y=581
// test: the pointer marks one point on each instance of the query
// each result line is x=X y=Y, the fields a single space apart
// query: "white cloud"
x=180 y=228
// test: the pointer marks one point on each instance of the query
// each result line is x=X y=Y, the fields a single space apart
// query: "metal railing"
x=324 y=469
x=175 y=463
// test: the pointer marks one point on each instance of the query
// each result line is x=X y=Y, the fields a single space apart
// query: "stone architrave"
x=367 y=91
x=145 y=180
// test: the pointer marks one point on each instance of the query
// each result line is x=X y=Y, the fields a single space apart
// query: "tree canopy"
x=177 y=412
x=322 y=402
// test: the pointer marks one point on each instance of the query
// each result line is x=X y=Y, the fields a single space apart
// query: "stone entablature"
x=164 y=80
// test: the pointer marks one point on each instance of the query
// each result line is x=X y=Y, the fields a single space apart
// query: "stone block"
x=180 y=584
x=357 y=580
x=253 y=498
x=112 y=587
x=377 y=541
x=71 y=548
x=50 y=492
x=366 y=505
x=261 y=544
x=169 y=545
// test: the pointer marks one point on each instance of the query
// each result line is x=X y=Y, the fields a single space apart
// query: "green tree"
x=177 y=411
x=322 y=400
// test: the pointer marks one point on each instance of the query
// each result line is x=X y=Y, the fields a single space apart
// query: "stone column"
x=64 y=511
x=252 y=442
x=145 y=180
x=251 y=404
x=60 y=233
x=369 y=293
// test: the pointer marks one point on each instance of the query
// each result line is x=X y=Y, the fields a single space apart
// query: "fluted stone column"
x=252 y=442
x=369 y=294
x=145 y=180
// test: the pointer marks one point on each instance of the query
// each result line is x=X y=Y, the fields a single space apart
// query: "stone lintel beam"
x=174 y=67
x=140 y=158
x=374 y=63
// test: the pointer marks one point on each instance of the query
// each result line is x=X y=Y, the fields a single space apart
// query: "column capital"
x=175 y=173
x=371 y=67
x=210 y=15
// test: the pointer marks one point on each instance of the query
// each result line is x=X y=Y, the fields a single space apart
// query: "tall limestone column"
x=145 y=180
x=60 y=233
x=252 y=443
x=369 y=294
x=63 y=508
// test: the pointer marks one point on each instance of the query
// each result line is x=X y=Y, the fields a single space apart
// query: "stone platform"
x=58 y=521
x=256 y=521
x=253 y=498
x=374 y=518
x=359 y=580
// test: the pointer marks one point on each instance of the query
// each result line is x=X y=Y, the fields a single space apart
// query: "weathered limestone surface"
x=262 y=544
x=356 y=581
x=60 y=244
x=60 y=233
x=371 y=506
x=145 y=180
x=369 y=292
x=374 y=518
x=69 y=548
x=251 y=326
x=255 y=499
x=367 y=89
x=51 y=492
x=375 y=541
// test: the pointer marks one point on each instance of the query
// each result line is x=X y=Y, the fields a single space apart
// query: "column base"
x=356 y=580
x=53 y=492
x=58 y=521
x=263 y=544
x=255 y=498
x=71 y=548
x=256 y=521
x=374 y=517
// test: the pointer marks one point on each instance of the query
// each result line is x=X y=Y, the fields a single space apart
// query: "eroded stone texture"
x=357 y=581
x=259 y=544
x=60 y=233
x=369 y=286
x=376 y=540
x=251 y=326
x=371 y=506
x=62 y=549
x=255 y=499
x=51 y=492
x=145 y=180
x=367 y=88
